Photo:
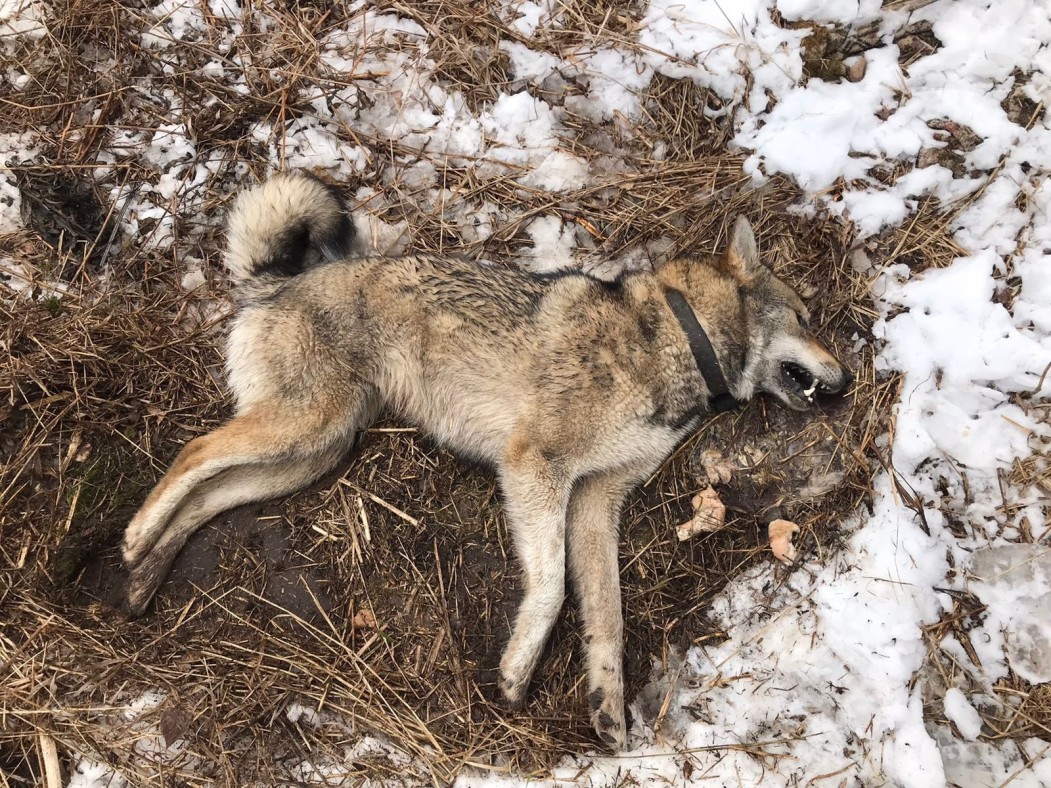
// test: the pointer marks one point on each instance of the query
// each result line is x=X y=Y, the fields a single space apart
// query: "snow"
x=314 y=771
x=138 y=717
x=718 y=44
x=952 y=352
x=1014 y=581
x=981 y=765
x=11 y=204
x=553 y=243
x=827 y=669
x=14 y=149
x=841 y=11
x=20 y=19
x=962 y=714
x=812 y=132
x=23 y=282
x=89 y=773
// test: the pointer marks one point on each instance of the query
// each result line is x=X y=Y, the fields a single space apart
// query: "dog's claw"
x=138 y=598
x=610 y=729
x=145 y=578
x=607 y=718
x=513 y=692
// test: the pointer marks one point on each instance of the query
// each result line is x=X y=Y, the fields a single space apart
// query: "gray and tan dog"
x=574 y=389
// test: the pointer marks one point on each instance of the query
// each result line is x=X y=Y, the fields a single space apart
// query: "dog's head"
x=783 y=357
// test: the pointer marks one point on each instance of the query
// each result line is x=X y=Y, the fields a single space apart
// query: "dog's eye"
x=803 y=322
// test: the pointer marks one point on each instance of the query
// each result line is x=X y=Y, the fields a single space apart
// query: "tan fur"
x=573 y=389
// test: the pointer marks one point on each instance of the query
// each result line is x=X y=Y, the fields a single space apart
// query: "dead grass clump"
x=61 y=85
x=681 y=116
x=73 y=362
x=924 y=240
x=580 y=24
x=1025 y=711
x=464 y=45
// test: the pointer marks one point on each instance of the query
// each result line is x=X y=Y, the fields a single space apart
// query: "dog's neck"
x=720 y=398
x=715 y=304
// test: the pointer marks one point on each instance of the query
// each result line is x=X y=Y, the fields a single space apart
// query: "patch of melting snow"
x=1014 y=583
x=962 y=714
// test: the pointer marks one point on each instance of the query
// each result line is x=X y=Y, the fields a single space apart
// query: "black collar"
x=719 y=397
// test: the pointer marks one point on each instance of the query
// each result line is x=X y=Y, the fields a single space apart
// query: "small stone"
x=855 y=68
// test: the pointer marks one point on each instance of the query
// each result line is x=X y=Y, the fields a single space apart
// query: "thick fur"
x=278 y=232
x=574 y=389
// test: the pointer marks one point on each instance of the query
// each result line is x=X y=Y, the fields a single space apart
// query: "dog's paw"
x=142 y=585
x=135 y=547
x=607 y=718
x=514 y=678
x=513 y=690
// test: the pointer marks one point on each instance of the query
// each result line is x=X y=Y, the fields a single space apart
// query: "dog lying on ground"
x=574 y=389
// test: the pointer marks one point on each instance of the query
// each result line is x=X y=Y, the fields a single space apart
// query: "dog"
x=573 y=388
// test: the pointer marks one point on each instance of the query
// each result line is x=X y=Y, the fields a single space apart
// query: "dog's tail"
x=281 y=228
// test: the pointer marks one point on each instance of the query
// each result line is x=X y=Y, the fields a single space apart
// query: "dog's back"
x=464 y=349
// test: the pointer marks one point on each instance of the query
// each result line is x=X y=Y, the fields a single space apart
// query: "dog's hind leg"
x=233 y=487
x=256 y=456
x=592 y=528
x=536 y=492
x=251 y=438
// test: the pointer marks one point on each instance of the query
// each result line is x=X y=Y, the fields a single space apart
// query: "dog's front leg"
x=536 y=491
x=593 y=525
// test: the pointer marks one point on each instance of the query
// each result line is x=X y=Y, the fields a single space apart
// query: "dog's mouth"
x=800 y=383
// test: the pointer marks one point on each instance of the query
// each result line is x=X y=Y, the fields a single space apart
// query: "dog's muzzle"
x=801 y=382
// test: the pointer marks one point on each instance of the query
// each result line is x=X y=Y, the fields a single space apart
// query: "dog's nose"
x=846 y=380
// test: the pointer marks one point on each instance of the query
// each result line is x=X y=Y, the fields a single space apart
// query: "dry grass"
x=102 y=385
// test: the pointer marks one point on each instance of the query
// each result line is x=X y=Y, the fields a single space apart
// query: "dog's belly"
x=474 y=436
x=479 y=399
x=470 y=415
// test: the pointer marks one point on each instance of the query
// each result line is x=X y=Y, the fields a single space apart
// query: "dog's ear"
x=742 y=257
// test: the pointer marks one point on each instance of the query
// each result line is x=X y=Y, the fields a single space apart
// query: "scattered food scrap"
x=717 y=469
x=709 y=515
x=781 y=533
x=364 y=619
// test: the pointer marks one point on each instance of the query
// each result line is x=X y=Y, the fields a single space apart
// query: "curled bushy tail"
x=281 y=228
